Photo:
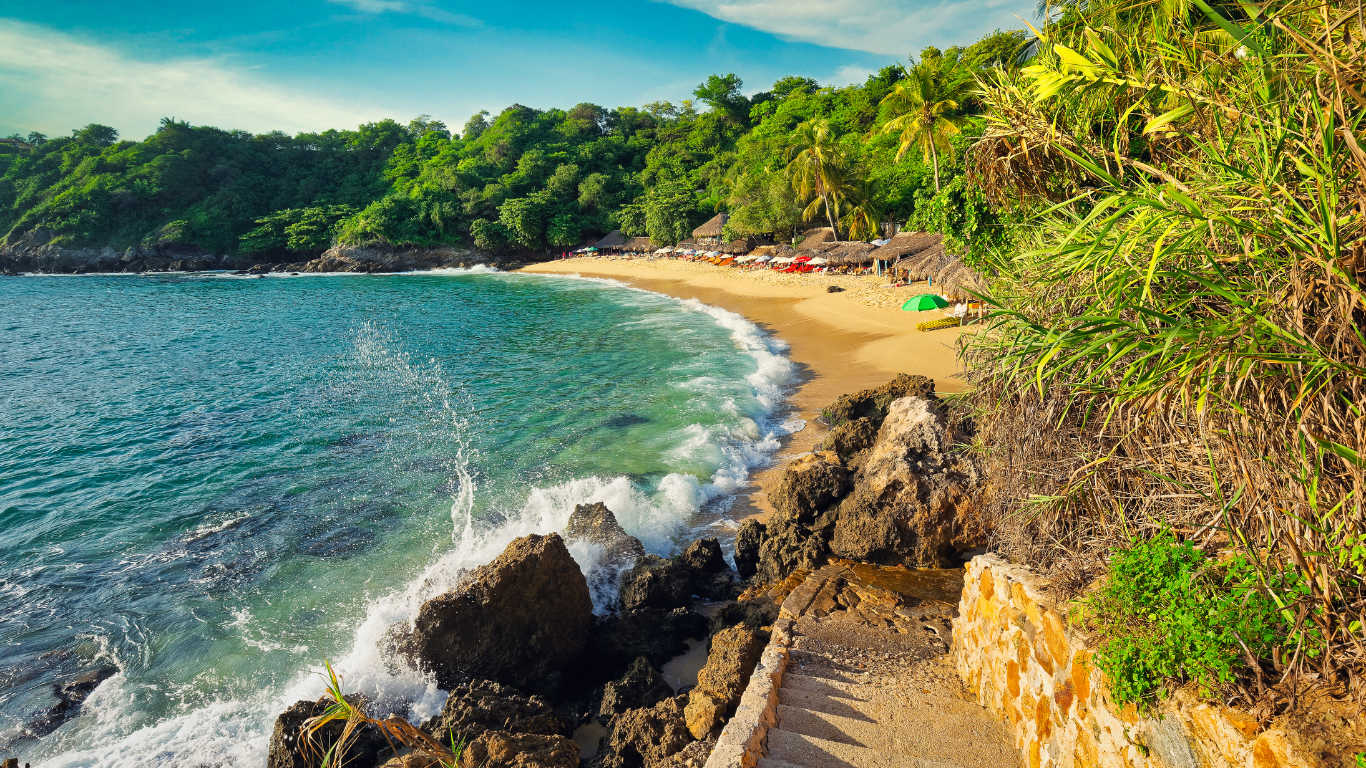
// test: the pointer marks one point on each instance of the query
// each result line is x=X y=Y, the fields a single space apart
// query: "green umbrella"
x=924 y=301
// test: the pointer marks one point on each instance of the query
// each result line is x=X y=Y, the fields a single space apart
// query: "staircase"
x=867 y=684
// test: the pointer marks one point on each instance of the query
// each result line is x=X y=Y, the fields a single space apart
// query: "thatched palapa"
x=710 y=232
x=927 y=262
x=815 y=238
x=959 y=281
x=639 y=245
x=740 y=245
x=613 y=239
x=851 y=255
x=907 y=245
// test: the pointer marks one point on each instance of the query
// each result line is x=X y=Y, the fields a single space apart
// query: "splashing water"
x=214 y=483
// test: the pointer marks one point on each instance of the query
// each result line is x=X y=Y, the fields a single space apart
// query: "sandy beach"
x=841 y=342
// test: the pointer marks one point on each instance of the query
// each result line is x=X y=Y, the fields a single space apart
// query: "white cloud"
x=850 y=74
x=427 y=10
x=53 y=82
x=895 y=27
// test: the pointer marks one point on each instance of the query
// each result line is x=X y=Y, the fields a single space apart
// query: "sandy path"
x=841 y=342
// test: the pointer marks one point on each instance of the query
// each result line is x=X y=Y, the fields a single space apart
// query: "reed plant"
x=1178 y=342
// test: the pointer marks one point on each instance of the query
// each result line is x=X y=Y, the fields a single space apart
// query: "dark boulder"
x=809 y=485
x=711 y=577
x=658 y=635
x=367 y=748
x=71 y=695
x=850 y=438
x=747 y=543
x=484 y=705
x=758 y=613
x=656 y=582
x=516 y=620
x=641 y=686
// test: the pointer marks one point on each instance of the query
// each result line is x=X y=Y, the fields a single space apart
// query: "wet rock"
x=757 y=613
x=71 y=695
x=617 y=639
x=873 y=403
x=747 y=543
x=914 y=499
x=516 y=620
x=722 y=681
x=484 y=705
x=288 y=748
x=656 y=582
x=500 y=749
x=711 y=577
x=595 y=524
x=641 y=686
x=645 y=738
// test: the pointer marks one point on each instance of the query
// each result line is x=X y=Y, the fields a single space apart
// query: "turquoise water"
x=214 y=483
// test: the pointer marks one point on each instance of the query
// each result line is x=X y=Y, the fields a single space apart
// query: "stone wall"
x=1014 y=650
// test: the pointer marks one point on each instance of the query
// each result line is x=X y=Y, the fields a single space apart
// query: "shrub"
x=1168 y=612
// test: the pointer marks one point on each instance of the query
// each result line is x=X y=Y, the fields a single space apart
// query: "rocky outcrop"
x=711 y=577
x=722 y=680
x=907 y=496
x=642 y=686
x=645 y=738
x=500 y=749
x=516 y=620
x=71 y=696
x=484 y=705
x=658 y=635
x=595 y=524
x=913 y=499
x=289 y=748
x=656 y=582
x=378 y=258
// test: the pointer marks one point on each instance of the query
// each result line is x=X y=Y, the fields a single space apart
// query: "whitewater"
x=213 y=483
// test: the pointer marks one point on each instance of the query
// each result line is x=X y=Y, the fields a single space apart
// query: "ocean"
x=213 y=483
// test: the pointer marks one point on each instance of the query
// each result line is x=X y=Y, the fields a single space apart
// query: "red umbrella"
x=802 y=258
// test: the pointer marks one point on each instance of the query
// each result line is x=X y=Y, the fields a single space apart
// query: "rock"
x=413 y=760
x=711 y=577
x=692 y=756
x=656 y=582
x=516 y=620
x=288 y=751
x=616 y=640
x=645 y=738
x=484 y=705
x=747 y=542
x=722 y=681
x=809 y=485
x=500 y=749
x=641 y=686
x=851 y=437
x=833 y=289
x=71 y=695
x=914 y=500
x=789 y=546
x=873 y=403
x=10 y=762
x=756 y=613
x=595 y=524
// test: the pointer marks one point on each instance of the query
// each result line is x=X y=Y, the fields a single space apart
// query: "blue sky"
x=314 y=64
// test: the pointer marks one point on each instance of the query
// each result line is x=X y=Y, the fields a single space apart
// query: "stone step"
x=813 y=752
x=820 y=685
x=772 y=762
x=927 y=741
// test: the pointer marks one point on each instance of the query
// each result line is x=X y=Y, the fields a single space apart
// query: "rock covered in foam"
x=595 y=524
x=517 y=620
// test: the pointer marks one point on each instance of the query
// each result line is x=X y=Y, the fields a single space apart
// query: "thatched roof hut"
x=815 y=238
x=959 y=281
x=927 y=262
x=613 y=239
x=740 y=245
x=639 y=245
x=711 y=231
x=851 y=254
x=906 y=245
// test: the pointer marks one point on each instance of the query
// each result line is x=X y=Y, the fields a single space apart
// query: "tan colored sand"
x=841 y=342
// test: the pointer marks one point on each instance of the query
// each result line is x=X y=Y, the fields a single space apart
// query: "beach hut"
x=818 y=239
x=851 y=255
x=710 y=232
x=960 y=281
x=638 y=245
x=613 y=240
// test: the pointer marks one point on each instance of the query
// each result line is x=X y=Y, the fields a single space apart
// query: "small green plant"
x=1361 y=760
x=1169 y=613
x=397 y=731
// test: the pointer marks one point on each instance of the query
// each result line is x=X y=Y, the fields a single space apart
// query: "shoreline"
x=839 y=342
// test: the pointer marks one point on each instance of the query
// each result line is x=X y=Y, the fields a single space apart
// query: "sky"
x=306 y=65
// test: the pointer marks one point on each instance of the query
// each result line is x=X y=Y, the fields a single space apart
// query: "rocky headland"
x=35 y=252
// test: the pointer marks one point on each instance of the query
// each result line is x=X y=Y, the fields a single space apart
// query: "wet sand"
x=838 y=341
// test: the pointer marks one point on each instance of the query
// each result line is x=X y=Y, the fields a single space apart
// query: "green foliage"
x=296 y=229
x=1169 y=613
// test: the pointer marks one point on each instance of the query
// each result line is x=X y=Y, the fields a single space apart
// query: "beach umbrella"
x=818 y=261
x=923 y=302
x=802 y=258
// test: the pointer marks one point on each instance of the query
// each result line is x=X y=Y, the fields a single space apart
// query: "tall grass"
x=1180 y=343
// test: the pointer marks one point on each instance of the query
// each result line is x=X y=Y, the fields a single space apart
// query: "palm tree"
x=816 y=166
x=863 y=220
x=925 y=104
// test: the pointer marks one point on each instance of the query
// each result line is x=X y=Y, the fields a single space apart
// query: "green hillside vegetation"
x=525 y=180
